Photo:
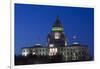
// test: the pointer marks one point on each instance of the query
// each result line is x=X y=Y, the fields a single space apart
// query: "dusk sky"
x=34 y=22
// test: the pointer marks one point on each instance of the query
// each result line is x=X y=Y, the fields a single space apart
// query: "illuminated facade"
x=57 y=45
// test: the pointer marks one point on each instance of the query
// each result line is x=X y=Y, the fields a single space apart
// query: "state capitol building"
x=57 y=45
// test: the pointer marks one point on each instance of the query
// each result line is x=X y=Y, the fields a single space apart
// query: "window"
x=57 y=35
x=25 y=52
x=52 y=51
x=33 y=53
x=51 y=45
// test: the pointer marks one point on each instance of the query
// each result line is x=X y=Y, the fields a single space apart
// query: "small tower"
x=57 y=37
x=75 y=42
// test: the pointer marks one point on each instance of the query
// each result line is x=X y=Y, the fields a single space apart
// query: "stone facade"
x=69 y=53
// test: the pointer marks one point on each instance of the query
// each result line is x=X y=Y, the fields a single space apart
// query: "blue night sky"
x=33 y=22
